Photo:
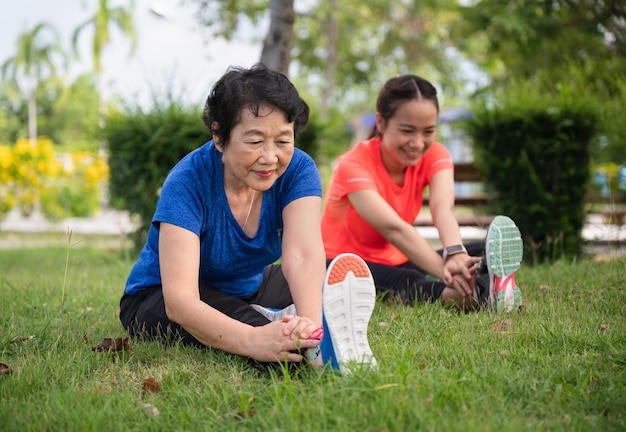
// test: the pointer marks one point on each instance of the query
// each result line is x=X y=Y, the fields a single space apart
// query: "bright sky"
x=171 y=53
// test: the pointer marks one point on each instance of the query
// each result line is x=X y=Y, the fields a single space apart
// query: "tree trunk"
x=331 y=58
x=32 y=116
x=276 y=52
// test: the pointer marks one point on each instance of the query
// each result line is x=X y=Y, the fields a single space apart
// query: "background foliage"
x=576 y=44
x=534 y=149
x=345 y=50
x=31 y=176
x=143 y=146
x=342 y=52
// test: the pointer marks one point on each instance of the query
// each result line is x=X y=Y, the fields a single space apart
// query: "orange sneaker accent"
x=349 y=296
x=347 y=264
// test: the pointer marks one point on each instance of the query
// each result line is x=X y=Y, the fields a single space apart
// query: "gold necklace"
x=243 y=227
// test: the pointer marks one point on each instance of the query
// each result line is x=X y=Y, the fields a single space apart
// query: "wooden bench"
x=467 y=173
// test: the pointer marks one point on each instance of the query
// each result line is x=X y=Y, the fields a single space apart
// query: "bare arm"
x=303 y=259
x=379 y=214
x=441 y=203
x=179 y=258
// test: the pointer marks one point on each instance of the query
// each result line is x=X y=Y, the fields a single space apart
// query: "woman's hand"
x=278 y=341
x=459 y=271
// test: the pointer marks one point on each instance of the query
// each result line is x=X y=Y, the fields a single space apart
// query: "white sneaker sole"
x=349 y=297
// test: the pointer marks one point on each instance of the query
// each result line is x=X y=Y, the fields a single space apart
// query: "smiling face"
x=259 y=149
x=408 y=134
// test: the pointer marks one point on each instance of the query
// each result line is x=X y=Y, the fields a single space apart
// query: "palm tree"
x=101 y=22
x=33 y=62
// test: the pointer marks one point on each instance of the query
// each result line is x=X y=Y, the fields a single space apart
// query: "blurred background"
x=78 y=75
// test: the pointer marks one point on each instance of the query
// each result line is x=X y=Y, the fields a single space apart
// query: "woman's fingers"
x=462 y=285
x=300 y=327
x=272 y=344
x=458 y=272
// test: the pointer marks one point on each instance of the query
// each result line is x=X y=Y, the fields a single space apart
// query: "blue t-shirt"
x=193 y=197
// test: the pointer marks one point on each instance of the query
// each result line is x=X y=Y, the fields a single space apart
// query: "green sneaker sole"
x=504 y=251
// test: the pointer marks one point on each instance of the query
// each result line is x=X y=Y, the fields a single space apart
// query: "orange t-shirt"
x=361 y=168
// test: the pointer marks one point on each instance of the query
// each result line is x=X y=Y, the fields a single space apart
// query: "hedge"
x=533 y=148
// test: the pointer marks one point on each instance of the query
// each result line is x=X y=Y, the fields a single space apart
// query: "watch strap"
x=453 y=250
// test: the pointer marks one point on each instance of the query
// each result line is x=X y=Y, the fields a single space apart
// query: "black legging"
x=143 y=315
x=408 y=283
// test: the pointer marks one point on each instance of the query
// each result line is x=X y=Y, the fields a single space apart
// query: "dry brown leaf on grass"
x=4 y=369
x=101 y=389
x=110 y=345
x=151 y=385
x=504 y=326
x=21 y=338
x=242 y=415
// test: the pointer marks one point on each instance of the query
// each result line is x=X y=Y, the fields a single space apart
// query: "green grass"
x=561 y=365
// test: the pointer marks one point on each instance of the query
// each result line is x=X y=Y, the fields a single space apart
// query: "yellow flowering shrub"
x=32 y=166
x=63 y=185
x=6 y=161
x=77 y=191
x=7 y=194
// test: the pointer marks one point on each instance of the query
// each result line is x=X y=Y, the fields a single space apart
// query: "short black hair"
x=240 y=88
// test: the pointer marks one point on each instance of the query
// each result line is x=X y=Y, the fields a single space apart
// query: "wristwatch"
x=453 y=250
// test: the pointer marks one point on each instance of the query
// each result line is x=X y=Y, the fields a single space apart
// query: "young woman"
x=376 y=194
x=226 y=212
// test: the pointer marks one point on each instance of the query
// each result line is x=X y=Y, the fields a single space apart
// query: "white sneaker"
x=349 y=297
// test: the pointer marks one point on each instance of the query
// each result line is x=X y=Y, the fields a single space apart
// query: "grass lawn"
x=560 y=365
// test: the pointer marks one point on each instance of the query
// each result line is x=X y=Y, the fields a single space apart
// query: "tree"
x=34 y=61
x=66 y=113
x=224 y=17
x=101 y=22
x=71 y=119
x=576 y=44
x=276 y=52
x=105 y=16
x=521 y=38
x=351 y=47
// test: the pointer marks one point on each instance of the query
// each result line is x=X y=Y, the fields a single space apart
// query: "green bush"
x=610 y=143
x=325 y=138
x=143 y=147
x=534 y=150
